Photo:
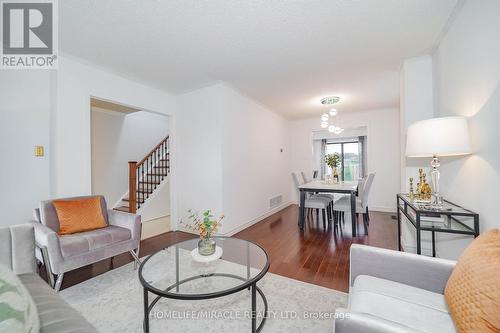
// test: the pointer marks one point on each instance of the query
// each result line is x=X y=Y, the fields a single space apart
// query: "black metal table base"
x=253 y=288
x=352 y=200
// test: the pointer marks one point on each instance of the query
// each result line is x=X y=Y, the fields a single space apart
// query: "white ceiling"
x=284 y=54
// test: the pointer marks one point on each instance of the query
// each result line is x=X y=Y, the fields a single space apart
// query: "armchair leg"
x=59 y=280
x=46 y=264
x=137 y=261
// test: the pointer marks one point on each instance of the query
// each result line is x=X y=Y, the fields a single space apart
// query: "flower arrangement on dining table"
x=333 y=161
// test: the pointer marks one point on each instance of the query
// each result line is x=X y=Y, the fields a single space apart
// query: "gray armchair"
x=395 y=292
x=62 y=253
x=17 y=252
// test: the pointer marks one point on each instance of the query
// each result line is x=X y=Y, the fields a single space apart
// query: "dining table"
x=321 y=186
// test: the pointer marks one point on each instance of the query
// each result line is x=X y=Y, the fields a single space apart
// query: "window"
x=351 y=157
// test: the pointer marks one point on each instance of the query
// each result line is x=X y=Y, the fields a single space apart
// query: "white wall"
x=158 y=204
x=76 y=82
x=118 y=138
x=383 y=151
x=416 y=103
x=199 y=143
x=24 y=123
x=229 y=156
x=255 y=159
x=467 y=69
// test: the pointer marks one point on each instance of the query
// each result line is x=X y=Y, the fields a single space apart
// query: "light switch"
x=38 y=151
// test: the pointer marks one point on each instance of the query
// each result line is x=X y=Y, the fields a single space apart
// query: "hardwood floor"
x=313 y=255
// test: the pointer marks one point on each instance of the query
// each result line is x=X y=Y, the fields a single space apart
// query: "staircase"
x=145 y=176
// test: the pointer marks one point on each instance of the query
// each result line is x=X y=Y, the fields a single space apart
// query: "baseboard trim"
x=257 y=219
x=247 y=224
x=382 y=209
x=155 y=218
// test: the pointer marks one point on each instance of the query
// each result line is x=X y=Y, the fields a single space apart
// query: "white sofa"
x=395 y=292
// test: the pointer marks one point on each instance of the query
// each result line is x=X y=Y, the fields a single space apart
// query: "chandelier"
x=327 y=119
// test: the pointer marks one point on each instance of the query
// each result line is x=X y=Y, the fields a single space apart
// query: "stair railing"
x=147 y=174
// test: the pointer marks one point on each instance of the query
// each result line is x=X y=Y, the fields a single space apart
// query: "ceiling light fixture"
x=338 y=130
x=327 y=118
x=330 y=100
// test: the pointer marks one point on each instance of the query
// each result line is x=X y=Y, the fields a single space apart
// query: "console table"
x=455 y=220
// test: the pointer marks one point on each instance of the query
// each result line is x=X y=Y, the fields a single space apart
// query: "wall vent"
x=275 y=201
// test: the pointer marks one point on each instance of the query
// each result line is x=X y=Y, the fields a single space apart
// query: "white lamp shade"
x=447 y=136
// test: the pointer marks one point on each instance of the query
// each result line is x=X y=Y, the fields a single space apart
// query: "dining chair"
x=316 y=202
x=330 y=196
x=344 y=205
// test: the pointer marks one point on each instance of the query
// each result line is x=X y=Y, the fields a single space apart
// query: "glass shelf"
x=450 y=218
x=448 y=208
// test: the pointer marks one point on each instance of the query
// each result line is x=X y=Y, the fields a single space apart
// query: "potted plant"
x=206 y=225
x=333 y=161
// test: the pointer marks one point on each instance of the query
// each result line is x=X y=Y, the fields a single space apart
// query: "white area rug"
x=113 y=302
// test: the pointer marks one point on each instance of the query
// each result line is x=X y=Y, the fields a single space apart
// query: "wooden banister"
x=153 y=151
x=132 y=187
x=145 y=175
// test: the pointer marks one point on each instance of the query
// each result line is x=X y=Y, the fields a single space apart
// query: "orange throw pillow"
x=79 y=215
x=473 y=290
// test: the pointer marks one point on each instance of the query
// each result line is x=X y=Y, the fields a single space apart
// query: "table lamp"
x=438 y=137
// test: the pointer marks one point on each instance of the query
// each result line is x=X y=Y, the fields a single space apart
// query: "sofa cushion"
x=473 y=289
x=18 y=312
x=415 y=308
x=79 y=215
x=48 y=215
x=83 y=242
x=55 y=315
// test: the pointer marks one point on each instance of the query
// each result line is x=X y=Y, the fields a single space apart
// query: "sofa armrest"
x=408 y=268
x=48 y=240
x=126 y=220
x=17 y=248
x=354 y=322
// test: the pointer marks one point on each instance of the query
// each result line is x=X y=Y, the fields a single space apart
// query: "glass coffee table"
x=173 y=273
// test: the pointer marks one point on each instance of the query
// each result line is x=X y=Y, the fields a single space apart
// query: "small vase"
x=206 y=246
x=335 y=174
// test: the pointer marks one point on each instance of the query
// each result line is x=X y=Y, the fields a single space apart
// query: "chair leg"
x=367 y=216
x=323 y=213
x=365 y=220
x=59 y=281
x=137 y=261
